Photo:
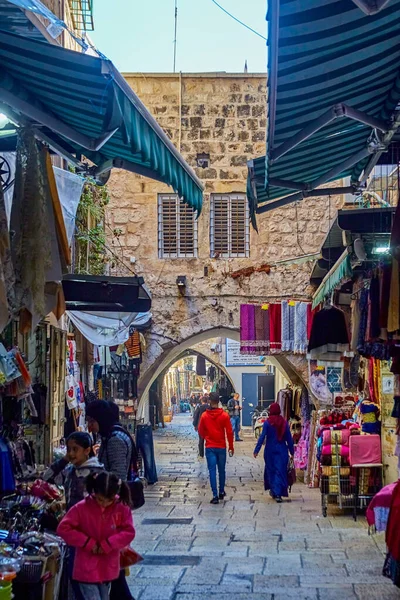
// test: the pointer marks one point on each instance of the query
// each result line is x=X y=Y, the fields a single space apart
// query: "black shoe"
x=239 y=440
x=215 y=500
x=222 y=495
x=279 y=499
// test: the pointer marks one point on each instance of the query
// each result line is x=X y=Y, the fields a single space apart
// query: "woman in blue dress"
x=278 y=444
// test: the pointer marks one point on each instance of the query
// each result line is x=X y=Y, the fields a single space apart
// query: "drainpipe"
x=180 y=111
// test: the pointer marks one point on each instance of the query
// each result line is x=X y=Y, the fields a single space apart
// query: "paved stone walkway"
x=248 y=547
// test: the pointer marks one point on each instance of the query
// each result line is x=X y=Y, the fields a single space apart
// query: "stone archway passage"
x=291 y=367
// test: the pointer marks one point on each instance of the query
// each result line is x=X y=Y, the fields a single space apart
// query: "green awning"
x=340 y=272
x=333 y=87
x=82 y=105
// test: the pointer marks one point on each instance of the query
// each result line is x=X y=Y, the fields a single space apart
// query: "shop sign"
x=235 y=359
x=388 y=384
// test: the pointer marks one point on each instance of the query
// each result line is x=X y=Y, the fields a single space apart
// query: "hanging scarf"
x=275 y=328
x=276 y=420
x=300 y=327
x=247 y=329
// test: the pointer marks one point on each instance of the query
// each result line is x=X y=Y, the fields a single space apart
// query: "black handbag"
x=137 y=492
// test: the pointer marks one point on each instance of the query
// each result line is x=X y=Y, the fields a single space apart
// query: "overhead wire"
x=238 y=20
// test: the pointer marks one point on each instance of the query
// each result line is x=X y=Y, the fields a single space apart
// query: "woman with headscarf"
x=117 y=453
x=278 y=444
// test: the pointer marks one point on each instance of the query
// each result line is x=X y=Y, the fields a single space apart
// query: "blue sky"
x=138 y=35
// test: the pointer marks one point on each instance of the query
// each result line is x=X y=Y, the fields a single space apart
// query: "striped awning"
x=81 y=105
x=333 y=87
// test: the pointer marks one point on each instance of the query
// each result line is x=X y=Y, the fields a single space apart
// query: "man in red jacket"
x=215 y=426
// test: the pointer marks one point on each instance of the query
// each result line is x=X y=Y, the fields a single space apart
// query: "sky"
x=138 y=35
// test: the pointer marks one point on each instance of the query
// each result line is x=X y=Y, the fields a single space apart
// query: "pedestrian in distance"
x=174 y=405
x=99 y=527
x=234 y=410
x=216 y=429
x=198 y=413
x=278 y=444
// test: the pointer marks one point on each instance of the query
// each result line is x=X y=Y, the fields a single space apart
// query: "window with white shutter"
x=229 y=226
x=177 y=228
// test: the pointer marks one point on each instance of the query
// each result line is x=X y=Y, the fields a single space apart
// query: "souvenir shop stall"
x=280 y=328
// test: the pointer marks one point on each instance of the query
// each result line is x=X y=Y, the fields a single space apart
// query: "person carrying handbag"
x=278 y=445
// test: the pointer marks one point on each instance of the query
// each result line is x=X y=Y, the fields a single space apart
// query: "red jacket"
x=214 y=425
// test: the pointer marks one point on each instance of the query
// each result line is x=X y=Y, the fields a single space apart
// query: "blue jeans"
x=95 y=591
x=216 y=457
x=235 y=422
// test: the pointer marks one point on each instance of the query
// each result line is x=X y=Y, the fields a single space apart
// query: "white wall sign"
x=235 y=359
x=388 y=384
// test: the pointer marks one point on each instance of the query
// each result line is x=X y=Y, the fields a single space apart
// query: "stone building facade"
x=223 y=117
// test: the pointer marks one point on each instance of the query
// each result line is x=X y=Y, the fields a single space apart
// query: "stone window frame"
x=177 y=221
x=230 y=228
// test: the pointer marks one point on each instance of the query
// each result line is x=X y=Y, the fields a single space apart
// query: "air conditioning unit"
x=216 y=348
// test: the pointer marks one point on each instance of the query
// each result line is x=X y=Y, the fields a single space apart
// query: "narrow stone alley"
x=247 y=546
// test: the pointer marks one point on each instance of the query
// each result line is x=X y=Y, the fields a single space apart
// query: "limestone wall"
x=223 y=115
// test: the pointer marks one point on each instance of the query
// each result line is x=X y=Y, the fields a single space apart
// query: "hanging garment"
x=385 y=295
x=300 y=327
x=275 y=327
x=329 y=333
x=355 y=323
x=133 y=347
x=7 y=278
x=262 y=342
x=394 y=302
x=288 y=314
x=30 y=221
x=7 y=481
x=265 y=316
x=201 y=366
x=247 y=329
x=374 y=298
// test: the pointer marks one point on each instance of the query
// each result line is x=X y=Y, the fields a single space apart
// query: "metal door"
x=249 y=396
x=266 y=389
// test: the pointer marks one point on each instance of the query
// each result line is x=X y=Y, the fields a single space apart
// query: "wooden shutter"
x=229 y=225
x=177 y=228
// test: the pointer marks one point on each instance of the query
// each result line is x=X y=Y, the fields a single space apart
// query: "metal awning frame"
x=22 y=111
x=381 y=134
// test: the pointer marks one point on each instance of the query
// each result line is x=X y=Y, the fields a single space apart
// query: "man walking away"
x=198 y=413
x=215 y=427
x=234 y=410
x=173 y=405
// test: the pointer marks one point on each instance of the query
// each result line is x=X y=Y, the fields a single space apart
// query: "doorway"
x=256 y=389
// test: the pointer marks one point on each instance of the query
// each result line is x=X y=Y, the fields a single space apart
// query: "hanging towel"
x=275 y=327
x=259 y=327
x=300 y=327
x=247 y=329
x=393 y=316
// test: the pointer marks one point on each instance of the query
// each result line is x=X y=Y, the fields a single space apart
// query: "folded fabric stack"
x=335 y=472
x=335 y=455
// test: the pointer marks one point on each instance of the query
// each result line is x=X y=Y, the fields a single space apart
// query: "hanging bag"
x=291 y=473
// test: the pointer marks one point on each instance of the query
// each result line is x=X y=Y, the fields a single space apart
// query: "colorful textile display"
x=331 y=436
x=333 y=471
x=335 y=449
x=369 y=412
x=247 y=329
x=365 y=449
x=380 y=502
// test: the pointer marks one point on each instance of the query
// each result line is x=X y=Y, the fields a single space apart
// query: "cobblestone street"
x=247 y=546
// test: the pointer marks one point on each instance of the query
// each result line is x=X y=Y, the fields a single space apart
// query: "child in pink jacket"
x=99 y=526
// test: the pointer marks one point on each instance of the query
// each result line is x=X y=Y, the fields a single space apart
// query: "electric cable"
x=238 y=20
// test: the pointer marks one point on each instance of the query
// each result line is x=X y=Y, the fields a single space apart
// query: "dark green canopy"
x=333 y=87
x=82 y=105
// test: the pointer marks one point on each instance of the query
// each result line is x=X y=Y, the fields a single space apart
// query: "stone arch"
x=291 y=370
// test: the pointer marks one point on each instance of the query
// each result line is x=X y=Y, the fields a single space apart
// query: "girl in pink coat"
x=99 y=527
